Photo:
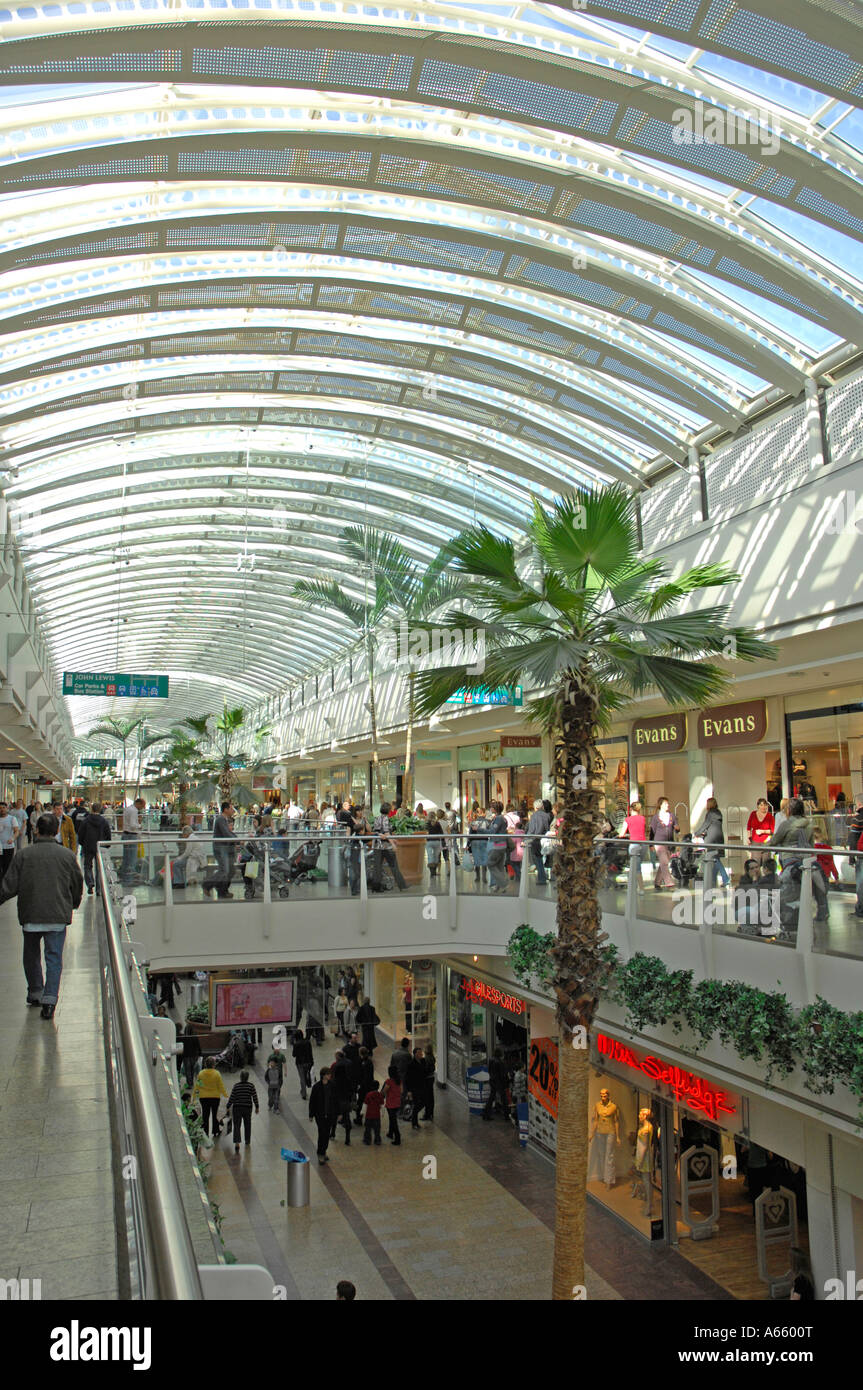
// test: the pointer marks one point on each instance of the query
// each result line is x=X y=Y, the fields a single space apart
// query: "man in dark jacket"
x=303 y=1057
x=343 y=1093
x=223 y=852
x=401 y=1059
x=91 y=829
x=415 y=1085
x=538 y=826
x=368 y=1020
x=797 y=831
x=321 y=1111
x=47 y=881
x=498 y=1081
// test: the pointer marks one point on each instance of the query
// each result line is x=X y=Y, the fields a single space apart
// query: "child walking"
x=373 y=1102
x=273 y=1078
x=392 y=1094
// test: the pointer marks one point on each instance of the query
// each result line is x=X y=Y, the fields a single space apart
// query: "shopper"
x=415 y=1085
x=320 y=1110
x=8 y=837
x=131 y=833
x=66 y=834
x=712 y=835
x=303 y=1058
x=401 y=1059
x=223 y=852
x=49 y=885
x=663 y=828
x=388 y=846
x=761 y=823
x=273 y=1078
x=191 y=1052
x=392 y=1094
x=350 y=1019
x=340 y=1008
x=373 y=1102
x=243 y=1096
x=477 y=844
x=353 y=848
x=343 y=1094
x=278 y=1058
x=497 y=853
x=365 y=1077
x=635 y=827
x=95 y=830
x=537 y=827
x=797 y=832
x=368 y=1020
x=498 y=1086
x=429 y=1066
x=209 y=1087
x=345 y=1291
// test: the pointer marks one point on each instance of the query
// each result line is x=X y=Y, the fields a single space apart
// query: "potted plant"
x=199 y=1016
x=410 y=850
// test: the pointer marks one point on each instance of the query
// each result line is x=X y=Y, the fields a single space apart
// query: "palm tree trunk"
x=374 y=717
x=579 y=967
x=408 y=783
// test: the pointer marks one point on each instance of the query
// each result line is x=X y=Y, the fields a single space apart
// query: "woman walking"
x=191 y=1052
x=240 y=1102
x=663 y=828
x=711 y=832
x=209 y=1088
x=302 y=1055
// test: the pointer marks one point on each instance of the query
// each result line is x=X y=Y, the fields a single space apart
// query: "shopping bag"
x=467 y=861
x=251 y=870
x=142 y=850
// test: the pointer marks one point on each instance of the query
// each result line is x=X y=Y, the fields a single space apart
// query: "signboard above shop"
x=115 y=685
x=732 y=726
x=675 y=1083
x=665 y=734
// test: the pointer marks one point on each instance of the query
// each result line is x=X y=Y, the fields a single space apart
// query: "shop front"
x=482 y=1017
x=825 y=759
x=405 y=996
x=508 y=769
x=662 y=765
x=742 y=761
x=336 y=784
x=614 y=769
x=670 y=1153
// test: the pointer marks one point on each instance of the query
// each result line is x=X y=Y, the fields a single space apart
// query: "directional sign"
x=504 y=695
x=99 y=762
x=122 y=686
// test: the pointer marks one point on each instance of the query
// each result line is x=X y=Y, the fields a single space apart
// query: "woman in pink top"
x=635 y=826
x=761 y=824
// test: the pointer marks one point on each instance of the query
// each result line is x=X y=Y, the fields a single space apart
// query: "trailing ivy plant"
x=830 y=1043
x=649 y=992
x=528 y=954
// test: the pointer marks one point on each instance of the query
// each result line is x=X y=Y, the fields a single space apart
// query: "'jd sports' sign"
x=666 y=734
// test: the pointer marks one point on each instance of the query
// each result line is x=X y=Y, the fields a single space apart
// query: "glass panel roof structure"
x=272 y=267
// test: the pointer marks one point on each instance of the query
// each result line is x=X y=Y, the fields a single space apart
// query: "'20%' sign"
x=543 y=1077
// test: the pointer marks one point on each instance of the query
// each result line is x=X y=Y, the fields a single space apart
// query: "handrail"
x=174 y=1265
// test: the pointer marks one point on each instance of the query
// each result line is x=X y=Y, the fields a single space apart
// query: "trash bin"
x=336 y=860
x=298 y=1178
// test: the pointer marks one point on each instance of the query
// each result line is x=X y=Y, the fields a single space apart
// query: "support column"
x=700 y=783
x=814 y=425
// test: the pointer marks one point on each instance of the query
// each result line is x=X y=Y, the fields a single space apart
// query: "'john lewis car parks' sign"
x=101 y=683
x=504 y=695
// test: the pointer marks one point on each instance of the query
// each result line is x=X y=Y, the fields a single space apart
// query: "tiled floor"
x=56 y=1190
x=482 y=1228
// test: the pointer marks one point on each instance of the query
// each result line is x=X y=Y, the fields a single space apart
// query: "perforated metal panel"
x=445 y=180
x=845 y=420
x=666 y=510
x=771 y=458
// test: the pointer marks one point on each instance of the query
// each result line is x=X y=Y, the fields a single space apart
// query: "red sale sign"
x=543 y=1076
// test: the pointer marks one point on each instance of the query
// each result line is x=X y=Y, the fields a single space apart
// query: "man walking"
x=8 y=837
x=94 y=828
x=320 y=1110
x=20 y=816
x=49 y=885
x=538 y=826
x=66 y=834
x=498 y=1084
x=131 y=832
x=223 y=853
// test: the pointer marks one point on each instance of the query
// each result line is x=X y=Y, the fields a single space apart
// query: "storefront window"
x=526 y=784
x=615 y=767
x=669 y=777
x=389 y=770
x=337 y=785
x=825 y=758
x=359 y=783
x=466 y=1031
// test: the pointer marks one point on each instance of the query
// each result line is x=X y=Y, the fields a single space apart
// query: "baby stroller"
x=233 y=1055
x=684 y=864
x=301 y=864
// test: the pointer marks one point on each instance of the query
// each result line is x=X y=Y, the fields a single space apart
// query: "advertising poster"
x=521 y=1112
x=251 y=1003
x=476 y=1080
x=542 y=1073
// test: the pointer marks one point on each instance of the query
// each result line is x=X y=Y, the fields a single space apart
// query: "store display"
x=604 y=1140
x=642 y=1183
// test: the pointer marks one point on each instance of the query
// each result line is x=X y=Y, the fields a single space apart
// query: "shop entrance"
x=665 y=777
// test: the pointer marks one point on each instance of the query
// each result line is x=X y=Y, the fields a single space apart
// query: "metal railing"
x=160 y=1243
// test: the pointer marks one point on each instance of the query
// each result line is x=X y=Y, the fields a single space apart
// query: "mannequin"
x=604 y=1139
x=644 y=1139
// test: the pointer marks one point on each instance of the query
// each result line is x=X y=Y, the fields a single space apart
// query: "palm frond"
x=590 y=528
x=699 y=577
x=327 y=594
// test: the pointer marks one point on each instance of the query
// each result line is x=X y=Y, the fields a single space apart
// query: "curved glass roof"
x=271 y=267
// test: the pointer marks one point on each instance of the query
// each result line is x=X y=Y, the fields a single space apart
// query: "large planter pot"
x=410 y=853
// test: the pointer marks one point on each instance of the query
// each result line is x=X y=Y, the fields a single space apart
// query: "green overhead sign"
x=99 y=762
x=130 y=687
x=504 y=695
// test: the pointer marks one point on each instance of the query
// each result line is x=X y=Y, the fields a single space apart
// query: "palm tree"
x=225 y=735
x=578 y=615
x=181 y=763
x=143 y=741
x=117 y=731
x=406 y=595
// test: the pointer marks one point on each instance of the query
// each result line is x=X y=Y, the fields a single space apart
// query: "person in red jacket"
x=392 y=1094
x=761 y=823
x=374 y=1104
x=826 y=861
